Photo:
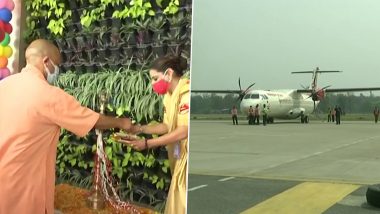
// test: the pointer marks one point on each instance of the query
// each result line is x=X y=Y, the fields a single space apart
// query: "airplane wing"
x=217 y=91
x=334 y=90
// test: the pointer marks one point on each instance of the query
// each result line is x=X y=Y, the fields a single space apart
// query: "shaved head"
x=41 y=53
x=43 y=48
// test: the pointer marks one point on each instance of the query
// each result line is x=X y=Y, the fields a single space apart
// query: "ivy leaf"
x=145 y=175
x=109 y=152
x=73 y=162
x=126 y=159
x=159 y=3
x=119 y=172
x=119 y=111
x=151 y=13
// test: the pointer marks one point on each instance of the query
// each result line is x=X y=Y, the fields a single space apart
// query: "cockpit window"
x=255 y=96
x=264 y=97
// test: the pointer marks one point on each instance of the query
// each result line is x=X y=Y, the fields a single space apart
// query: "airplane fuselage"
x=283 y=104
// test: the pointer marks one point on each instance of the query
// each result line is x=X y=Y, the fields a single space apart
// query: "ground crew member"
x=251 y=113
x=265 y=115
x=257 y=115
x=329 y=115
x=333 y=115
x=338 y=112
x=376 y=113
x=234 y=115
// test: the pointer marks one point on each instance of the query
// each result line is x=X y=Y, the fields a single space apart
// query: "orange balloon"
x=3 y=62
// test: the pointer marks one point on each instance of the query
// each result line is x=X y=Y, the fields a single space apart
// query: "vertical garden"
x=107 y=46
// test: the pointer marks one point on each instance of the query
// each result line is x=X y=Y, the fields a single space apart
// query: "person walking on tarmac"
x=234 y=115
x=338 y=112
x=329 y=115
x=257 y=115
x=265 y=115
x=376 y=113
x=251 y=114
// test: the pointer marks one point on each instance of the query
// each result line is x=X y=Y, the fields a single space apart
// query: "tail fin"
x=315 y=73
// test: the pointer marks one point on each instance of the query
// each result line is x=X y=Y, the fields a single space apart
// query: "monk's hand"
x=126 y=124
x=135 y=129
x=135 y=144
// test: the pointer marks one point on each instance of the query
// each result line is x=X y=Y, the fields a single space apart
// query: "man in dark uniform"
x=376 y=113
x=338 y=112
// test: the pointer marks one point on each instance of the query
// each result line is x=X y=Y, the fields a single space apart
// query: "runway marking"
x=197 y=187
x=226 y=179
x=308 y=197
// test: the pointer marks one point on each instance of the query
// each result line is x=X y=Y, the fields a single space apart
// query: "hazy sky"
x=263 y=41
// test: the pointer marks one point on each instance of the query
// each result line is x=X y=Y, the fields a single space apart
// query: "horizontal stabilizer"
x=311 y=72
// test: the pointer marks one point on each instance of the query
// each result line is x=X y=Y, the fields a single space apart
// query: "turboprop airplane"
x=286 y=103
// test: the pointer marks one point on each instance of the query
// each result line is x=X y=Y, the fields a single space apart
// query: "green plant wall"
x=107 y=46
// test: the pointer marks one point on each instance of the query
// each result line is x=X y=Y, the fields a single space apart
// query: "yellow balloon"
x=7 y=51
x=1 y=50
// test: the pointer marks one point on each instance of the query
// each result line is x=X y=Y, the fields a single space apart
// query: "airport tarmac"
x=293 y=161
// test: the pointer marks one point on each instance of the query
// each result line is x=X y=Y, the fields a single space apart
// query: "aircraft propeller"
x=243 y=93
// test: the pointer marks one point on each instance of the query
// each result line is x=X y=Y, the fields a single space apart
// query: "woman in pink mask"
x=167 y=79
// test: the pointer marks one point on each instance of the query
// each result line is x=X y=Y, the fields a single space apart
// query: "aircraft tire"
x=373 y=195
x=306 y=119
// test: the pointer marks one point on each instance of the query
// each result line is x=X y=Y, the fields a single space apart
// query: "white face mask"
x=52 y=77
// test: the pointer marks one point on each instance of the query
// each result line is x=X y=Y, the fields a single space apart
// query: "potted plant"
x=129 y=51
x=90 y=67
x=144 y=35
x=175 y=41
x=103 y=40
x=115 y=54
x=116 y=37
x=80 y=42
x=158 y=26
x=70 y=40
x=128 y=33
x=177 y=20
x=143 y=51
x=78 y=67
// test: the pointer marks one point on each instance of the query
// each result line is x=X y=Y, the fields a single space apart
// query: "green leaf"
x=119 y=172
x=73 y=162
x=120 y=111
x=151 y=13
x=126 y=159
x=159 y=3
x=109 y=152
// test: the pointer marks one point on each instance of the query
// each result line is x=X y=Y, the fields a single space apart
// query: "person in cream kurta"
x=167 y=80
x=32 y=112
